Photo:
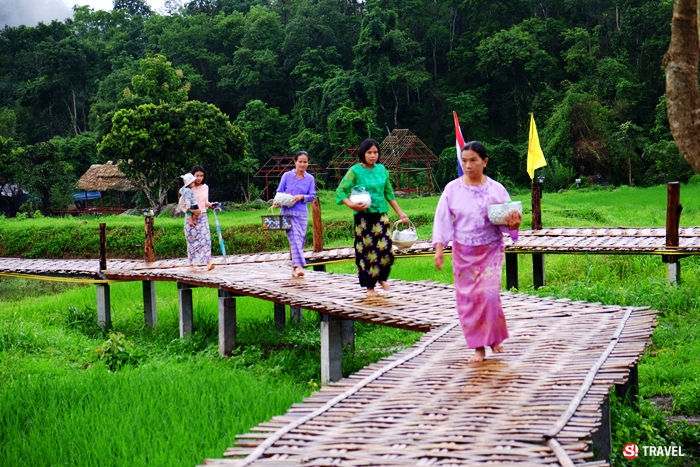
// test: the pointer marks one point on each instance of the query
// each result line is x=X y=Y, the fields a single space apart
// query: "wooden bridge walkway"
x=538 y=403
x=541 y=402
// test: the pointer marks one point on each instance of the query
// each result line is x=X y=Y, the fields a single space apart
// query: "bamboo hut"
x=105 y=178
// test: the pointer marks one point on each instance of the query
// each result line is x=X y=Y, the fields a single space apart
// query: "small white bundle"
x=284 y=199
x=360 y=195
x=498 y=212
x=408 y=235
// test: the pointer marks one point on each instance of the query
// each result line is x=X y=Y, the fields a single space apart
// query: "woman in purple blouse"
x=302 y=185
x=477 y=249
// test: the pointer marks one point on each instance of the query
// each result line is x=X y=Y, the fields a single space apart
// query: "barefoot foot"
x=479 y=355
x=300 y=271
x=372 y=293
x=210 y=266
x=385 y=285
x=192 y=269
x=497 y=348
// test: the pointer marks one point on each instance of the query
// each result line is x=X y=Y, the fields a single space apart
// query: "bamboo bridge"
x=541 y=402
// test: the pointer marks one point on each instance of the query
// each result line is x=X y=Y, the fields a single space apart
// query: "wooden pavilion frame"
x=278 y=165
x=402 y=152
x=343 y=161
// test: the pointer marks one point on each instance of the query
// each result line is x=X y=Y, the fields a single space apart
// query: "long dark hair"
x=365 y=146
x=199 y=168
x=475 y=146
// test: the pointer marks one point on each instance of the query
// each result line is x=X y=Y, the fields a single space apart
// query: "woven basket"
x=276 y=222
x=400 y=242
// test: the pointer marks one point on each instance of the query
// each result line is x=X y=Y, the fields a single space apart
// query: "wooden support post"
x=148 y=253
x=331 y=350
x=629 y=391
x=149 y=304
x=227 y=322
x=602 y=439
x=536 y=206
x=538 y=270
x=103 y=246
x=295 y=314
x=347 y=333
x=317 y=225
x=511 y=271
x=104 y=314
x=280 y=316
x=673 y=219
x=184 y=295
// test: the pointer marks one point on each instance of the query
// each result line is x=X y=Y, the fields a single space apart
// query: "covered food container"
x=498 y=212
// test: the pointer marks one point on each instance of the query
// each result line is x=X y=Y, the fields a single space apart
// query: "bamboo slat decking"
x=428 y=406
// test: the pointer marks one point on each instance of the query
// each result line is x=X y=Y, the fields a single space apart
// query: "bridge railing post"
x=103 y=246
x=538 y=270
x=149 y=255
x=673 y=219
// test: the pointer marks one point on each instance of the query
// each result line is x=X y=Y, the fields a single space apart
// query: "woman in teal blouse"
x=373 y=255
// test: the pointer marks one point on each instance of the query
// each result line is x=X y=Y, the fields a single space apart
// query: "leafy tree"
x=579 y=134
x=45 y=175
x=268 y=131
x=256 y=69
x=8 y=123
x=9 y=168
x=390 y=59
x=157 y=143
x=79 y=151
x=133 y=7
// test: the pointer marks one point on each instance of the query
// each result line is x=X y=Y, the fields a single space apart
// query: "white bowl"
x=498 y=212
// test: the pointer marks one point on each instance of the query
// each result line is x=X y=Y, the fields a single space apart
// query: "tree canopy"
x=321 y=75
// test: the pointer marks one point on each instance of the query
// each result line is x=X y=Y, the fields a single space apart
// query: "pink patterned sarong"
x=477 y=276
x=198 y=240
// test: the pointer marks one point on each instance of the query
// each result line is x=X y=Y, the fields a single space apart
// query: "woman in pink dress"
x=198 y=236
x=477 y=249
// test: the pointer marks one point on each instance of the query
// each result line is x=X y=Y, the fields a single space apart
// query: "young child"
x=188 y=197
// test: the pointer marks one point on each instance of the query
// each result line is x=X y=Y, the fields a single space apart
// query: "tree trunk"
x=396 y=109
x=682 y=95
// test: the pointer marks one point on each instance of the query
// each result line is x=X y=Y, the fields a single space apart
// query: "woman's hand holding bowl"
x=513 y=219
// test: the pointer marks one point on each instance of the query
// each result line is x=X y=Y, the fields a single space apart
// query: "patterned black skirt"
x=373 y=255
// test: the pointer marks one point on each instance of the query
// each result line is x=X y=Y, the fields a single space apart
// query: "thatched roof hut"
x=105 y=177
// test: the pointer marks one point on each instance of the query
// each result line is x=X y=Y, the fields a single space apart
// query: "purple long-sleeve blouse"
x=462 y=214
x=291 y=185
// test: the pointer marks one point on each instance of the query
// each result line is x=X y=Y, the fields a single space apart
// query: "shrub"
x=117 y=351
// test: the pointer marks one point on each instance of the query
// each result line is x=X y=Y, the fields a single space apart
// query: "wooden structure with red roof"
x=402 y=153
x=276 y=166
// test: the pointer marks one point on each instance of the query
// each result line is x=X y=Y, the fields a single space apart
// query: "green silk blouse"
x=375 y=181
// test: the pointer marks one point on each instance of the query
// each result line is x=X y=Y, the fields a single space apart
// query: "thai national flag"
x=459 y=144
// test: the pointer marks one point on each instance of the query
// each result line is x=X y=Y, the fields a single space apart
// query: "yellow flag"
x=535 y=156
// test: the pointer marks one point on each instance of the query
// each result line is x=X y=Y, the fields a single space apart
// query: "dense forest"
x=322 y=75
